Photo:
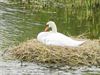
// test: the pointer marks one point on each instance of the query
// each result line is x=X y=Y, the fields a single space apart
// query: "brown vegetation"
x=32 y=50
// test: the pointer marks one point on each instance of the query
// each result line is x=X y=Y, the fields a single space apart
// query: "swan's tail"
x=81 y=42
x=75 y=43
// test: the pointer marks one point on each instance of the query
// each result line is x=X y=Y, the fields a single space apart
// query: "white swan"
x=55 y=38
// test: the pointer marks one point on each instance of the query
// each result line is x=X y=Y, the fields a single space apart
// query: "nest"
x=32 y=50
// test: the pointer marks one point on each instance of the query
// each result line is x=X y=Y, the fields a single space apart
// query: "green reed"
x=75 y=14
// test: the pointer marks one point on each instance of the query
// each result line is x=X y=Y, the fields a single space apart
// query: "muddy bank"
x=85 y=55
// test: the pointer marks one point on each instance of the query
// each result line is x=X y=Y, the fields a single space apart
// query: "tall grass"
x=75 y=13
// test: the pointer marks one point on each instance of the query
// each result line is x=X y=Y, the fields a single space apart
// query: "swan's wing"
x=56 y=39
x=59 y=39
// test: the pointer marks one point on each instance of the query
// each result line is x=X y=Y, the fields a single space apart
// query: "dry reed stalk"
x=32 y=50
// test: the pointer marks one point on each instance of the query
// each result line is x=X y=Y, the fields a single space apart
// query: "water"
x=17 y=25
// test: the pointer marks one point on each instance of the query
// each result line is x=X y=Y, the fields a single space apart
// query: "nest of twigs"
x=32 y=50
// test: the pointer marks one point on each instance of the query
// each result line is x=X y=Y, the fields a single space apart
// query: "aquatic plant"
x=75 y=14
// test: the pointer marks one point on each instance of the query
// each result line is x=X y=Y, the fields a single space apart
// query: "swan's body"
x=55 y=38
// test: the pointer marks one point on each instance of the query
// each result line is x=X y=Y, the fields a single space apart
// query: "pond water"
x=17 y=25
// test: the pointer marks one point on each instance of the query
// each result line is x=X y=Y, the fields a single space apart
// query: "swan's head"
x=51 y=25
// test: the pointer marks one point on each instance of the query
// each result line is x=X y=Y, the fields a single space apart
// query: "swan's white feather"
x=58 y=39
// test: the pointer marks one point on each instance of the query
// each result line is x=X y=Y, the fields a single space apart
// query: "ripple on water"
x=4 y=1
x=8 y=67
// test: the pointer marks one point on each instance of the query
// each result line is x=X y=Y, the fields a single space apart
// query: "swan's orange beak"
x=46 y=28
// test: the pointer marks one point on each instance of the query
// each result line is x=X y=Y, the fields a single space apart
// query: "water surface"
x=18 y=25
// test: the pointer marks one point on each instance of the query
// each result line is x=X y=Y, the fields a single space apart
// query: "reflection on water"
x=16 y=26
x=19 y=25
x=15 y=68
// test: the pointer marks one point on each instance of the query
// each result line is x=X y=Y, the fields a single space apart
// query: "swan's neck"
x=54 y=28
